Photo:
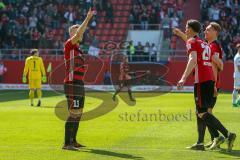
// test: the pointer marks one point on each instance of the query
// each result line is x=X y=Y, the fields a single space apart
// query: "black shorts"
x=124 y=83
x=203 y=95
x=214 y=100
x=75 y=94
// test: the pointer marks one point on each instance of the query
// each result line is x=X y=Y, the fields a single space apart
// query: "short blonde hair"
x=73 y=27
x=33 y=51
x=216 y=26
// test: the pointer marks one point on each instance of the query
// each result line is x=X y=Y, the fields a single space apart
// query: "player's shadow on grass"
x=44 y=106
x=111 y=154
x=235 y=153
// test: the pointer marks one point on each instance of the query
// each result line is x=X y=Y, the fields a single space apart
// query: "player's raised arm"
x=180 y=34
x=78 y=35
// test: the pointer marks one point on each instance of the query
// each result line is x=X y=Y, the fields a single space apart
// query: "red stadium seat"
x=115 y=26
x=121 y=2
x=128 y=7
x=114 y=2
x=117 y=19
x=123 y=25
x=121 y=19
x=113 y=32
x=125 y=13
x=117 y=13
x=127 y=2
x=119 y=38
x=98 y=32
x=102 y=14
x=108 y=25
x=98 y=37
x=120 y=7
x=111 y=38
x=100 y=25
x=101 y=45
x=104 y=38
x=121 y=32
x=121 y=13
x=105 y=32
x=125 y=19
x=61 y=31
x=102 y=19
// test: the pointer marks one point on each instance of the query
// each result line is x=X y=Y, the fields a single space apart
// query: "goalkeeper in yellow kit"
x=35 y=70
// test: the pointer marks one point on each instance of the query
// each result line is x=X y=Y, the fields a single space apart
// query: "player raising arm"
x=35 y=70
x=200 y=60
x=124 y=79
x=211 y=33
x=216 y=59
x=73 y=82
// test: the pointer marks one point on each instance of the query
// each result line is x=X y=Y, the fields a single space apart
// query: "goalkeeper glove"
x=44 y=79
x=24 y=79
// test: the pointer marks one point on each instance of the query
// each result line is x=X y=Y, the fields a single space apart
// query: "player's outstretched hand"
x=90 y=13
x=177 y=31
x=180 y=34
x=24 y=79
x=180 y=84
x=44 y=79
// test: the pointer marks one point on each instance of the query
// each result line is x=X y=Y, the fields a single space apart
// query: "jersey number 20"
x=206 y=54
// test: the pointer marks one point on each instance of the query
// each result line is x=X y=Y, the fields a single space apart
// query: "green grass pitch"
x=127 y=132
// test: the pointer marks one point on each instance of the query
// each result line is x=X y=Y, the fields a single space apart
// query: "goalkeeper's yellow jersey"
x=34 y=67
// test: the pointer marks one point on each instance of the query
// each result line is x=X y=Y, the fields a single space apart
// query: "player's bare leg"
x=31 y=96
x=77 y=114
x=68 y=145
x=130 y=94
x=216 y=139
x=209 y=144
x=213 y=122
x=71 y=129
x=201 y=127
x=39 y=95
x=234 y=97
x=120 y=87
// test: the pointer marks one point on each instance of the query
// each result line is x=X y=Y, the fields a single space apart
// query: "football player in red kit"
x=124 y=79
x=73 y=82
x=199 y=54
x=211 y=34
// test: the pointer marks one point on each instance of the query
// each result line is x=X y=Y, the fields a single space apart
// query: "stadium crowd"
x=42 y=23
x=148 y=14
x=227 y=14
x=142 y=52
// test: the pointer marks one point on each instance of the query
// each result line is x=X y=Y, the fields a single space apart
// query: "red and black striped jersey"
x=124 y=68
x=74 y=62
